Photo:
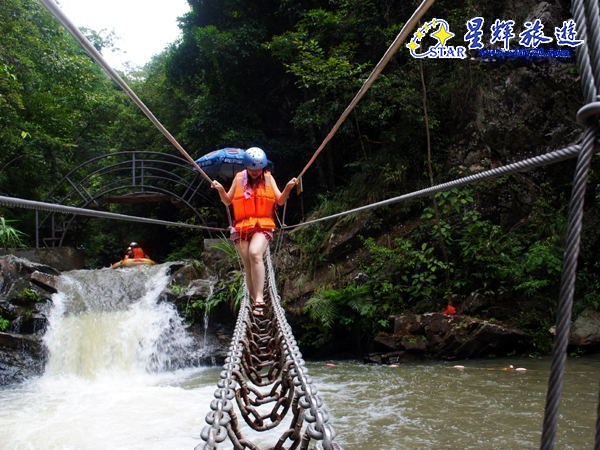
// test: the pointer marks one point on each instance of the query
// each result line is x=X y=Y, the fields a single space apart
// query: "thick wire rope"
x=526 y=164
x=573 y=237
x=53 y=207
x=95 y=54
x=593 y=39
x=219 y=417
x=387 y=56
x=567 y=288
x=400 y=38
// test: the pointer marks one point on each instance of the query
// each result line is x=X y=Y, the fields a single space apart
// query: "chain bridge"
x=264 y=379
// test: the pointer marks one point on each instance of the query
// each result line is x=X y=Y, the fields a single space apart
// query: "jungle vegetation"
x=278 y=74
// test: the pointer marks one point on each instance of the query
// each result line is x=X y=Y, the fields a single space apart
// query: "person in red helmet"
x=253 y=195
x=135 y=251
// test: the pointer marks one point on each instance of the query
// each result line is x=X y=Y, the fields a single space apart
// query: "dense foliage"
x=278 y=74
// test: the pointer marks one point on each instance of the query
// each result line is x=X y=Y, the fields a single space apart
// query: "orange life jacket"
x=256 y=210
x=138 y=252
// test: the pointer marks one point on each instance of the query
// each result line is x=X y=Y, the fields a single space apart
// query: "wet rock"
x=435 y=335
x=25 y=290
x=585 y=331
x=45 y=280
x=200 y=288
x=21 y=357
x=184 y=272
x=190 y=288
x=211 y=345
x=391 y=357
x=13 y=267
x=24 y=304
x=60 y=258
x=23 y=301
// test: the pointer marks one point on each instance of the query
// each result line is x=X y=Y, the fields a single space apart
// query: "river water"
x=112 y=383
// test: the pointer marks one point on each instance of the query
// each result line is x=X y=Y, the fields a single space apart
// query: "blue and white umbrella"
x=223 y=163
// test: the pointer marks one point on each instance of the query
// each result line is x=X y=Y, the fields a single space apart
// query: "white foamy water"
x=114 y=411
x=112 y=382
x=108 y=321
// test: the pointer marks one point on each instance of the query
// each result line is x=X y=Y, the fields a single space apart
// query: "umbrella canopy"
x=222 y=163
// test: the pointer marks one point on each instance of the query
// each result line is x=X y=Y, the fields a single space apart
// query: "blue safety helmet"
x=255 y=158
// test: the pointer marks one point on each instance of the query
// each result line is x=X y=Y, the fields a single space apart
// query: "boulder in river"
x=448 y=337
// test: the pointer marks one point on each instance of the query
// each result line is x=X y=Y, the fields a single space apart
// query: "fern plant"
x=226 y=247
x=322 y=307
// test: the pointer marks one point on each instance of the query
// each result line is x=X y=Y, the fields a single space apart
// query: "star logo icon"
x=443 y=34
x=412 y=46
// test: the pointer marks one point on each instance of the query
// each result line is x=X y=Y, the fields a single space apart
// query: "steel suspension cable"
x=593 y=39
x=95 y=54
x=527 y=164
x=52 y=207
x=400 y=38
x=589 y=115
x=567 y=288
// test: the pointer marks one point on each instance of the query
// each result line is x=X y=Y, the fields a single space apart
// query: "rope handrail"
x=526 y=164
x=53 y=207
x=400 y=38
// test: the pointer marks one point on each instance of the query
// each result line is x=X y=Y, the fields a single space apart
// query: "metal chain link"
x=251 y=332
x=221 y=419
x=315 y=412
x=265 y=373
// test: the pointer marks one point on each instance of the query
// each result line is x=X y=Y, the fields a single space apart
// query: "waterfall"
x=112 y=320
x=120 y=371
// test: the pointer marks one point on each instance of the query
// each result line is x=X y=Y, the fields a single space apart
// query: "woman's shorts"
x=237 y=236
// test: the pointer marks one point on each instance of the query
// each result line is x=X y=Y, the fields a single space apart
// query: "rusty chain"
x=265 y=373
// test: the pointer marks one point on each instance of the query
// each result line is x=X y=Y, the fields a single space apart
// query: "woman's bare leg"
x=242 y=248
x=256 y=250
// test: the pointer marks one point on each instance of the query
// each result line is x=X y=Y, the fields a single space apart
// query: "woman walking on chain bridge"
x=253 y=195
